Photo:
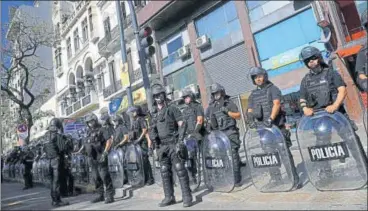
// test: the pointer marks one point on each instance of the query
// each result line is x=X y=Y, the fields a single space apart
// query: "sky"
x=5 y=5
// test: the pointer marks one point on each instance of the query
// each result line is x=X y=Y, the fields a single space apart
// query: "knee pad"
x=165 y=170
x=180 y=169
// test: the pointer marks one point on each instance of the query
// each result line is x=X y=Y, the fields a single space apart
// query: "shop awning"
x=345 y=52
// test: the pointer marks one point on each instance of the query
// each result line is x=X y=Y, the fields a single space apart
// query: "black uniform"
x=169 y=137
x=27 y=159
x=54 y=148
x=320 y=89
x=223 y=122
x=138 y=124
x=95 y=146
x=67 y=181
x=120 y=131
x=261 y=103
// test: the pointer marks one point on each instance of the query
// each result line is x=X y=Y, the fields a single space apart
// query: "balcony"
x=59 y=71
x=83 y=105
x=72 y=19
x=94 y=36
x=108 y=91
x=110 y=44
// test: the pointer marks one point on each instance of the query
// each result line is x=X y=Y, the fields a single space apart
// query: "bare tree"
x=26 y=36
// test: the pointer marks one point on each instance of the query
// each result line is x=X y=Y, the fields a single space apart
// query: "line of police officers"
x=322 y=88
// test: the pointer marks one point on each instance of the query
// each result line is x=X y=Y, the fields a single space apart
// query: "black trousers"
x=27 y=176
x=54 y=172
x=101 y=177
x=148 y=175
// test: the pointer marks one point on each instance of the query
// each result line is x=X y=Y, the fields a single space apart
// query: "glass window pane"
x=230 y=11
x=256 y=14
x=201 y=26
x=234 y=26
x=219 y=33
x=253 y=4
x=174 y=45
x=216 y=18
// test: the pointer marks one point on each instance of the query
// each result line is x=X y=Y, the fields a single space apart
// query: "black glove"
x=224 y=110
x=181 y=150
x=363 y=84
x=103 y=157
x=268 y=122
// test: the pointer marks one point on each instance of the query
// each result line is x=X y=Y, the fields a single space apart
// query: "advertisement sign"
x=22 y=132
x=72 y=126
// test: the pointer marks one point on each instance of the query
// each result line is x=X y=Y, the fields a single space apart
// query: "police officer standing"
x=138 y=134
x=223 y=113
x=323 y=88
x=168 y=130
x=361 y=67
x=27 y=159
x=97 y=146
x=264 y=105
x=193 y=115
x=54 y=147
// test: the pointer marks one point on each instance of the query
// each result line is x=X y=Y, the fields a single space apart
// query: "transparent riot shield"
x=332 y=153
x=35 y=175
x=134 y=165
x=270 y=161
x=116 y=167
x=193 y=164
x=155 y=163
x=6 y=171
x=17 y=171
x=79 y=169
x=89 y=171
x=21 y=171
x=218 y=162
x=39 y=171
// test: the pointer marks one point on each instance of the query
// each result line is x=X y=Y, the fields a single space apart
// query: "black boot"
x=98 y=199
x=237 y=172
x=109 y=200
x=60 y=203
x=184 y=184
x=167 y=184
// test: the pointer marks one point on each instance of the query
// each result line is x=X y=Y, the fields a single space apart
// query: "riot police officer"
x=167 y=131
x=361 y=67
x=138 y=134
x=222 y=114
x=68 y=179
x=54 y=147
x=323 y=88
x=27 y=159
x=97 y=145
x=193 y=115
x=264 y=105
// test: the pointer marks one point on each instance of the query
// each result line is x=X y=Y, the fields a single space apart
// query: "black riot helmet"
x=364 y=19
x=312 y=53
x=158 y=93
x=105 y=120
x=55 y=125
x=187 y=92
x=135 y=109
x=91 y=120
x=254 y=71
x=217 y=88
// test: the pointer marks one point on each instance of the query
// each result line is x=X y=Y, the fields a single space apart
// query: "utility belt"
x=168 y=141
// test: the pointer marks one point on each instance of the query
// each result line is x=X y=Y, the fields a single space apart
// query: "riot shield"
x=218 y=162
x=134 y=165
x=270 y=161
x=79 y=169
x=12 y=170
x=332 y=153
x=89 y=171
x=193 y=164
x=21 y=171
x=46 y=173
x=35 y=176
x=116 y=167
x=155 y=163
x=6 y=171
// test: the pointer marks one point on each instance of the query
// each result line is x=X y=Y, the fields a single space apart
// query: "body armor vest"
x=92 y=143
x=51 y=147
x=190 y=116
x=319 y=92
x=166 y=126
x=224 y=121
x=262 y=100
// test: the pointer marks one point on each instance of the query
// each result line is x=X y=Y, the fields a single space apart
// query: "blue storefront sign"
x=114 y=105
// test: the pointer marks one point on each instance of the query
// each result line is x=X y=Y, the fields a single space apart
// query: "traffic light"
x=147 y=41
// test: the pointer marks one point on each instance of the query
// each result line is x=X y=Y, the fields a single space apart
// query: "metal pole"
x=142 y=58
x=124 y=53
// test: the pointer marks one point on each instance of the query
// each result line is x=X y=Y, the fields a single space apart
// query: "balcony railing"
x=136 y=75
x=80 y=104
x=74 y=16
x=112 y=40
x=108 y=91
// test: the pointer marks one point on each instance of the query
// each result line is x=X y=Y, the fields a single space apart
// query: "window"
x=112 y=72
x=220 y=22
x=90 y=19
x=76 y=39
x=69 y=47
x=259 y=9
x=107 y=29
x=182 y=78
x=58 y=57
x=123 y=10
x=172 y=48
x=85 y=30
